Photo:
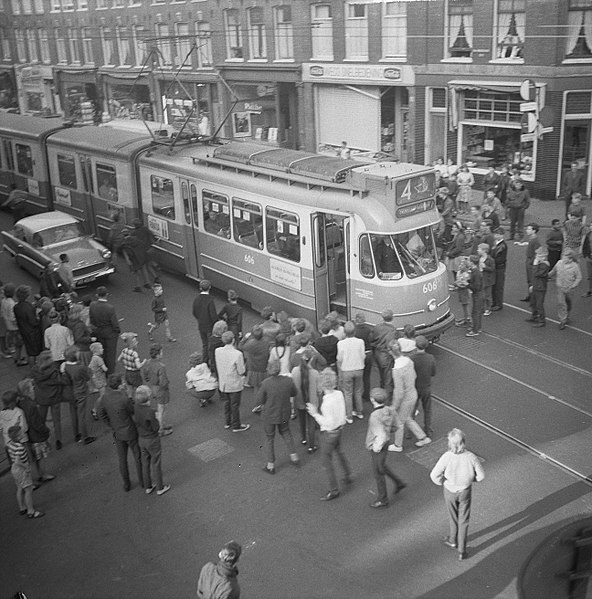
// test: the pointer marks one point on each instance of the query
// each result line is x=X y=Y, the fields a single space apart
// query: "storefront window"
x=163 y=197
x=256 y=116
x=67 y=171
x=77 y=96
x=128 y=101
x=190 y=101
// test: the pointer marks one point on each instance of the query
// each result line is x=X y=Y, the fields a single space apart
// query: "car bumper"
x=85 y=279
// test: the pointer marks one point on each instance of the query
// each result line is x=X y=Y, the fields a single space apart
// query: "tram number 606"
x=250 y=260
x=429 y=287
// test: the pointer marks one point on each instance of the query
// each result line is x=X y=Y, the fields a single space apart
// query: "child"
x=462 y=285
x=21 y=472
x=155 y=376
x=407 y=341
x=160 y=314
x=487 y=267
x=3 y=347
x=199 y=380
x=149 y=441
x=130 y=359
x=576 y=207
x=538 y=289
x=232 y=313
x=98 y=376
x=77 y=375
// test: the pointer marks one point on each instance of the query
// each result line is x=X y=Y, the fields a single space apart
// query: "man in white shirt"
x=230 y=365
x=351 y=356
x=57 y=338
x=331 y=419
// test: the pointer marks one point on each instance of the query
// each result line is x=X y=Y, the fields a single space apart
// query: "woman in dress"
x=28 y=324
x=465 y=181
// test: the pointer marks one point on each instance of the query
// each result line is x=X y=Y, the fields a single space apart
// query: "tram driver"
x=387 y=261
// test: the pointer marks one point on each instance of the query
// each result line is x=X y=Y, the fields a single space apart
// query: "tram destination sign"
x=415 y=189
x=411 y=209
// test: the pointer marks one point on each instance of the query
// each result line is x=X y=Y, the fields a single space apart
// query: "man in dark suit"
x=105 y=325
x=574 y=181
x=116 y=409
x=204 y=310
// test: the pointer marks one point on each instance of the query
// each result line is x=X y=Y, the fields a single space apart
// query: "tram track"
x=514 y=440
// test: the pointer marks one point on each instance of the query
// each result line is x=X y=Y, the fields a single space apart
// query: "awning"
x=495 y=86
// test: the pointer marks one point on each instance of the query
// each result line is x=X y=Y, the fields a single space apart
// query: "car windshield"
x=412 y=253
x=57 y=234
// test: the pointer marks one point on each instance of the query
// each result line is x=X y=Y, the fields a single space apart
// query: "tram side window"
x=163 y=197
x=24 y=160
x=9 y=157
x=388 y=264
x=216 y=214
x=106 y=182
x=247 y=223
x=67 y=171
x=185 y=196
x=194 y=208
x=283 y=234
x=366 y=262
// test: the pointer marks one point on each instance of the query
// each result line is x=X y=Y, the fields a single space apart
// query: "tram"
x=301 y=232
x=23 y=161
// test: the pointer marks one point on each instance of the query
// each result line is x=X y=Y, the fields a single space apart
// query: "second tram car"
x=301 y=232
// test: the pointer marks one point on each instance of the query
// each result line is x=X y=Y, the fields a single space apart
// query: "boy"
x=131 y=362
x=77 y=376
x=476 y=286
x=21 y=472
x=462 y=285
x=538 y=290
x=487 y=267
x=160 y=314
x=232 y=313
x=155 y=376
x=149 y=441
x=377 y=442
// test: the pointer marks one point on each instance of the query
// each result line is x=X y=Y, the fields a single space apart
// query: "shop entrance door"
x=576 y=148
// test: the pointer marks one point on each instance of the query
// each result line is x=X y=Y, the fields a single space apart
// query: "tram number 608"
x=429 y=287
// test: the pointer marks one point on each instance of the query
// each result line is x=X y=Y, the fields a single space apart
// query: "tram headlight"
x=432 y=305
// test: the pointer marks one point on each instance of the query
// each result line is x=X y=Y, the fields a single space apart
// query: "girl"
x=465 y=182
x=487 y=267
x=307 y=382
x=462 y=286
x=280 y=352
x=232 y=313
x=199 y=380
x=98 y=376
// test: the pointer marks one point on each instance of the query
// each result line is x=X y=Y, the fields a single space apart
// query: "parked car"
x=36 y=242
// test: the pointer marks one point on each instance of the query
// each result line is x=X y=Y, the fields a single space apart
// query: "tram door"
x=89 y=214
x=191 y=226
x=329 y=264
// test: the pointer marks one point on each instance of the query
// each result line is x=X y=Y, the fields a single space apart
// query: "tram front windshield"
x=412 y=253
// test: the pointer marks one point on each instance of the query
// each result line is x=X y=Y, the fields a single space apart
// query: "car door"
x=29 y=253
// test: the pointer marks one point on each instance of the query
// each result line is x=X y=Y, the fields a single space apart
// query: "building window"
x=107 y=46
x=5 y=44
x=163 y=197
x=118 y=3
x=284 y=33
x=394 y=29
x=356 y=31
x=460 y=29
x=234 y=36
x=579 y=33
x=204 y=44
x=164 y=44
x=74 y=45
x=87 y=46
x=182 y=46
x=82 y=5
x=16 y=7
x=39 y=7
x=24 y=159
x=32 y=45
x=102 y=3
x=27 y=7
x=106 y=182
x=322 y=32
x=511 y=16
x=138 y=34
x=123 y=47
x=257 y=41
x=44 y=46
x=21 y=51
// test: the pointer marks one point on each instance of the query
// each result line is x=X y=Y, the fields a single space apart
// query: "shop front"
x=366 y=106
x=128 y=97
x=36 y=90
x=79 y=94
x=8 y=90
x=192 y=104
x=263 y=106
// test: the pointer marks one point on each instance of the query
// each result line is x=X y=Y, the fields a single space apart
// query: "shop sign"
x=158 y=226
x=287 y=275
x=30 y=73
x=62 y=197
x=358 y=73
x=253 y=107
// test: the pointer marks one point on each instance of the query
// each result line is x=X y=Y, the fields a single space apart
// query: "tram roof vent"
x=378 y=177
